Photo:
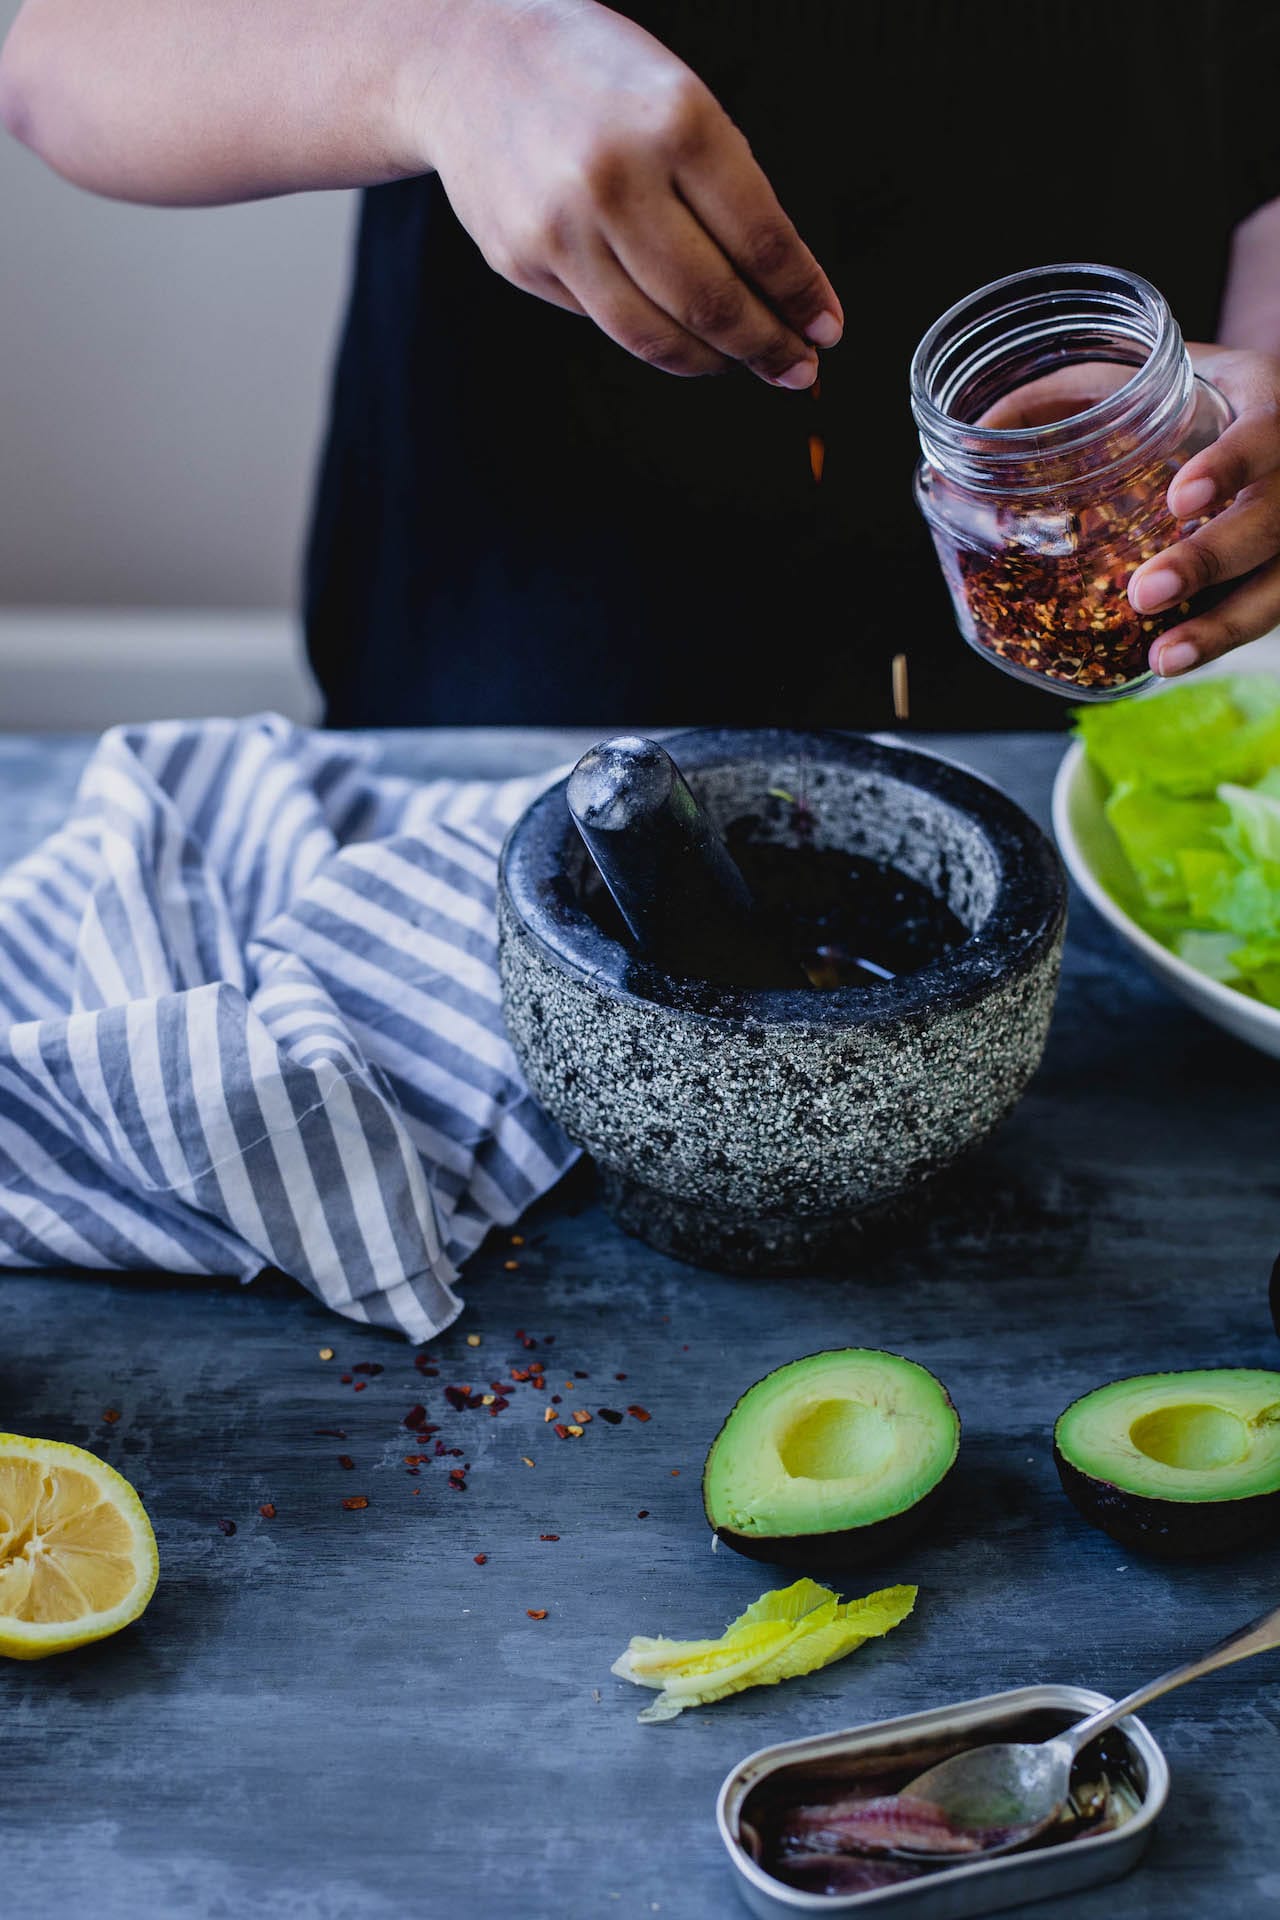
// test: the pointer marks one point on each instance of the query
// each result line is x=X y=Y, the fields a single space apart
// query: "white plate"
x=1098 y=866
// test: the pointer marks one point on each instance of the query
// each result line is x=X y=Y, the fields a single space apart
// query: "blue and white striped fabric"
x=250 y=1017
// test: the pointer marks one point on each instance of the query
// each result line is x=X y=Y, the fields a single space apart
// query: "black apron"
x=516 y=522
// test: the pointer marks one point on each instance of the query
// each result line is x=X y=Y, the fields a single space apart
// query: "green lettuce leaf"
x=1155 y=828
x=1190 y=739
x=790 y=1631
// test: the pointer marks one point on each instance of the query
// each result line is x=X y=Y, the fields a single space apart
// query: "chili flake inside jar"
x=1054 y=409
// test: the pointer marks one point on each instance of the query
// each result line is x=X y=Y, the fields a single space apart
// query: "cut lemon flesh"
x=77 y=1555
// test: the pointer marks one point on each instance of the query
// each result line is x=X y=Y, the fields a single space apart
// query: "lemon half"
x=77 y=1555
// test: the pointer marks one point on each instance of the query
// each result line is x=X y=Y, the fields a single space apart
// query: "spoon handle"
x=1258 y=1637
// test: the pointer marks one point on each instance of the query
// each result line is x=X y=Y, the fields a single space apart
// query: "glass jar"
x=1054 y=408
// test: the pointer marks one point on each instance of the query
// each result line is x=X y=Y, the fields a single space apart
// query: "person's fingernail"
x=825 y=330
x=1178 y=657
x=802 y=375
x=1193 y=496
x=1153 y=590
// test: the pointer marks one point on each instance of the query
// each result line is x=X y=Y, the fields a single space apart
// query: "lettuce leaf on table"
x=782 y=1634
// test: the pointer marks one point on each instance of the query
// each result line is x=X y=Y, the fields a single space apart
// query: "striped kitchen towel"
x=250 y=1017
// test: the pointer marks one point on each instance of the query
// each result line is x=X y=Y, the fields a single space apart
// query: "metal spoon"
x=1008 y=1793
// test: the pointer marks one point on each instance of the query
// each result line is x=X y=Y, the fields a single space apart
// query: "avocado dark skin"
x=857 y=1547
x=1168 y=1529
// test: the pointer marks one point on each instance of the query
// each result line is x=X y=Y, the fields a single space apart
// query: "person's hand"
x=1237 y=481
x=594 y=169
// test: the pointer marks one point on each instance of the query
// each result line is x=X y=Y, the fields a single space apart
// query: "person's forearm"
x=206 y=101
x=1251 y=304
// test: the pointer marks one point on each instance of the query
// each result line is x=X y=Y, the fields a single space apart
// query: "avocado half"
x=1176 y=1464
x=831 y=1460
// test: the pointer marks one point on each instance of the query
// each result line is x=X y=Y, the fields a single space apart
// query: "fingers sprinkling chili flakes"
x=355 y=1502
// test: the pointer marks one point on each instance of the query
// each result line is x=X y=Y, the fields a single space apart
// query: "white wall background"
x=162 y=386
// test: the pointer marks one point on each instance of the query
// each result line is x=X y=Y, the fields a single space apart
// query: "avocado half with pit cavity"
x=1176 y=1464
x=831 y=1460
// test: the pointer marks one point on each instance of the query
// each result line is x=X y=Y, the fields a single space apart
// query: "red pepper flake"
x=555 y=1399
x=457 y=1397
x=519 y=1373
x=582 y=1417
x=562 y=1431
x=457 y=1479
x=330 y=1433
x=345 y=1460
x=475 y=1399
x=268 y=1512
x=548 y=1415
x=346 y=1379
x=355 y=1502
x=684 y=1349
x=511 y=1266
x=517 y=1239
x=367 y=1366
x=426 y=1430
x=619 y=1376
x=359 y=1386
x=536 y=1613
x=499 y=1406
x=480 y=1558
x=638 y=1413
x=527 y=1342
x=111 y=1415
x=548 y=1536
x=528 y=1462
x=580 y=1373
x=610 y=1414
x=548 y=1339
x=643 y=1514
x=675 y=1473
x=415 y=1416
x=227 y=1526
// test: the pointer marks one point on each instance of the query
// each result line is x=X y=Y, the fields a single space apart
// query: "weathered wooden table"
x=336 y=1715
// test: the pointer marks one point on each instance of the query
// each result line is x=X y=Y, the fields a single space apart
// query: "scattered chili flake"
x=548 y=1536
x=367 y=1366
x=638 y=1413
x=480 y=1558
x=457 y=1479
x=517 y=1239
x=330 y=1433
x=576 y=1431
x=555 y=1399
x=580 y=1373
x=528 y=1462
x=457 y=1397
x=267 y=1511
x=684 y=1349
x=500 y=1404
x=526 y=1341
x=536 y=1613
x=675 y=1473
x=619 y=1376
x=610 y=1414
x=415 y=1416
x=581 y=1415
x=562 y=1431
x=519 y=1373
x=548 y=1339
x=227 y=1526
x=548 y=1415
x=345 y=1460
x=475 y=1399
x=511 y=1266
x=359 y=1386
x=326 y=1353
x=473 y=1339
x=111 y=1415
x=643 y=1514
x=346 y=1379
x=354 y=1502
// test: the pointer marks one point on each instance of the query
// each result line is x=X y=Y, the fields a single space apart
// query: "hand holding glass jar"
x=1233 y=489
x=1086 y=480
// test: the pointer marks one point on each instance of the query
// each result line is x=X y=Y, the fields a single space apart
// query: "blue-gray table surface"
x=339 y=1715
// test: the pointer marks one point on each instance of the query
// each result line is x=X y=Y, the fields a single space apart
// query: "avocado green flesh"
x=829 y=1443
x=1206 y=1435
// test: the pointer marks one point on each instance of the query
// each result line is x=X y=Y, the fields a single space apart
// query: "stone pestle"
x=673 y=880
